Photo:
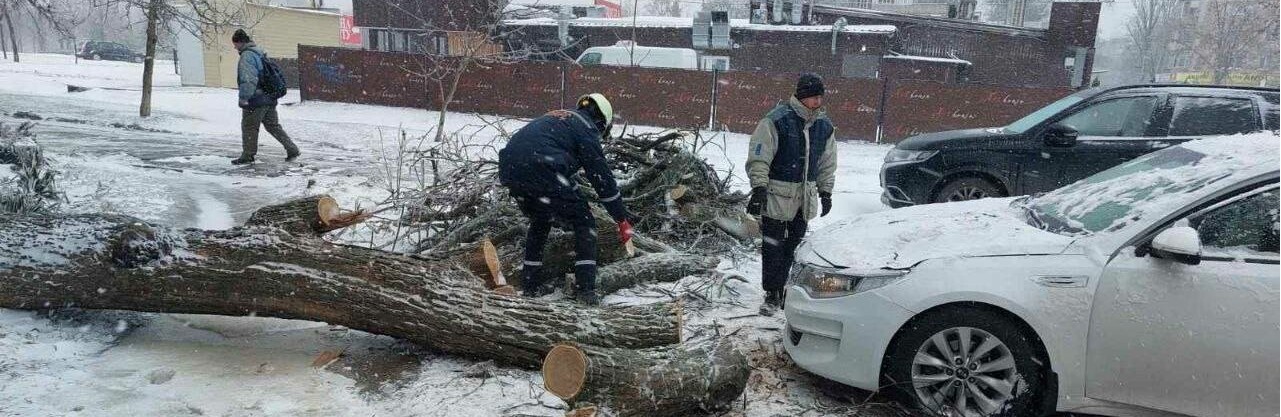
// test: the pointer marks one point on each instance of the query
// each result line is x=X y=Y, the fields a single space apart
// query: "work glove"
x=625 y=231
x=757 y=203
x=826 y=199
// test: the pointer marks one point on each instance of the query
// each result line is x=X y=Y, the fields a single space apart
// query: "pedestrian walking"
x=537 y=166
x=261 y=84
x=791 y=166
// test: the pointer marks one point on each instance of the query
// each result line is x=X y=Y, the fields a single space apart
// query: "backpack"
x=271 y=80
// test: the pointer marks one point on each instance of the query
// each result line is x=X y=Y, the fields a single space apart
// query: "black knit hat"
x=809 y=85
x=240 y=37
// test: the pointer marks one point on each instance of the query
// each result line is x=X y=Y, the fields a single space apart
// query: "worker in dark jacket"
x=538 y=165
x=257 y=108
x=791 y=166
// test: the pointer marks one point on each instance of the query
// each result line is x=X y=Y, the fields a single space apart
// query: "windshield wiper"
x=1031 y=213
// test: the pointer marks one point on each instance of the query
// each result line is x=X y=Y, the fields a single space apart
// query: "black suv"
x=1068 y=140
x=100 y=50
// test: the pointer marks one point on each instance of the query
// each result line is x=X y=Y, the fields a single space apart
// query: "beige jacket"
x=785 y=198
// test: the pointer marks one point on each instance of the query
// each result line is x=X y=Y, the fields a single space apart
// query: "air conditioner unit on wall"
x=702 y=30
x=720 y=30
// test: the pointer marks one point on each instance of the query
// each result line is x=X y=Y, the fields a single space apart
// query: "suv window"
x=1202 y=116
x=1244 y=228
x=1125 y=116
x=590 y=59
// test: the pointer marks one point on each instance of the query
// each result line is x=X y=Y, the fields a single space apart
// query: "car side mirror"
x=1180 y=244
x=1061 y=135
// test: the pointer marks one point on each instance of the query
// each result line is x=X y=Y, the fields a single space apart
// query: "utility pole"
x=632 y=48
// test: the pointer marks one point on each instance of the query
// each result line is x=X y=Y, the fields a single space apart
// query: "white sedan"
x=1147 y=289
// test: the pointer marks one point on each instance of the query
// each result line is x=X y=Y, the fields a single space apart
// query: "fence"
x=862 y=109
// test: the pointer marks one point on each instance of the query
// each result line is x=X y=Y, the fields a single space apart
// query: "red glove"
x=624 y=231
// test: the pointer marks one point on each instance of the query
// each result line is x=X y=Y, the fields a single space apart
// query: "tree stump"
x=671 y=381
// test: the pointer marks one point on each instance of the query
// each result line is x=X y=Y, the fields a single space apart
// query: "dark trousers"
x=574 y=214
x=266 y=117
x=779 y=249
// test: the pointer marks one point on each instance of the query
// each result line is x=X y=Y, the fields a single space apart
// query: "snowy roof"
x=549 y=3
x=686 y=22
x=929 y=59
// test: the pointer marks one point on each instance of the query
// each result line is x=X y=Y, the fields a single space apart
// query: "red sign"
x=350 y=33
x=612 y=7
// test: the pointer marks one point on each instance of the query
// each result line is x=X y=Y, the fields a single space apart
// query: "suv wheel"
x=965 y=189
x=967 y=361
x=97 y=57
x=137 y=58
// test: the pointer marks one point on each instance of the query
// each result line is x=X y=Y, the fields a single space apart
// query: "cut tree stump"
x=670 y=381
x=317 y=214
x=101 y=261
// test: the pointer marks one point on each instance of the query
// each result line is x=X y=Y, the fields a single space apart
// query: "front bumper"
x=842 y=339
x=907 y=183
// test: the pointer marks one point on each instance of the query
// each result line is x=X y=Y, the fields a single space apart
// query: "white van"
x=621 y=54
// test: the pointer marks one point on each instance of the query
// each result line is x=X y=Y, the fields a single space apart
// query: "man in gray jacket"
x=257 y=108
x=791 y=166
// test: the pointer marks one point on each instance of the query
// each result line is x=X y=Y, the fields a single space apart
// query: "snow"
x=686 y=22
x=902 y=238
x=1157 y=183
x=173 y=169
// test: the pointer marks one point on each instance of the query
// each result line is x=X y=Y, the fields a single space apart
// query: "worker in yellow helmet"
x=538 y=165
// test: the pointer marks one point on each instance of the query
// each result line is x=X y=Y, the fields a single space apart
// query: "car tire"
x=97 y=57
x=1009 y=378
x=137 y=59
x=965 y=189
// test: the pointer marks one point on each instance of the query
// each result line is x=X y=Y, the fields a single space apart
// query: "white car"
x=1147 y=289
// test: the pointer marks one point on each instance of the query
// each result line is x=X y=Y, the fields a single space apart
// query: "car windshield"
x=1124 y=195
x=1022 y=125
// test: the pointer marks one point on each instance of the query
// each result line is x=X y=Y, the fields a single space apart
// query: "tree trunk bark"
x=119 y=262
x=654 y=267
x=307 y=216
x=13 y=37
x=671 y=381
x=149 y=61
x=4 y=49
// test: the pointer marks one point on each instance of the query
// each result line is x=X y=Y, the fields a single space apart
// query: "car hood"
x=899 y=239
x=953 y=138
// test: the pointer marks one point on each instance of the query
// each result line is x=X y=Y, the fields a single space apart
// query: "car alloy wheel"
x=967 y=193
x=966 y=371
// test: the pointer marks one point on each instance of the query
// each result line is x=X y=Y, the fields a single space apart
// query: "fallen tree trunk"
x=317 y=214
x=655 y=267
x=671 y=381
x=119 y=262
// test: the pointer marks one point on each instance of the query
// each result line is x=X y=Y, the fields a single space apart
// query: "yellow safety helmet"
x=602 y=104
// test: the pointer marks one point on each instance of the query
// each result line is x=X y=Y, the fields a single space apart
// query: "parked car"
x=1068 y=140
x=623 y=54
x=100 y=50
x=1149 y=288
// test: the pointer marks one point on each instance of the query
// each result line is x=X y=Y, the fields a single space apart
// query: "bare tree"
x=469 y=39
x=57 y=14
x=1225 y=33
x=664 y=8
x=1149 y=33
x=190 y=15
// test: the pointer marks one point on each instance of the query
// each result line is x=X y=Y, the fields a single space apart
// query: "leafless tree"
x=190 y=15
x=1149 y=32
x=57 y=13
x=664 y=8
x=1223 y=34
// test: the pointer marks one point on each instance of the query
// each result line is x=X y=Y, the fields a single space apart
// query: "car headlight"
x=903 y=155
x=831 y=283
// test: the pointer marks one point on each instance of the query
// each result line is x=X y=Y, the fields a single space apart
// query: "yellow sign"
x=1246 y=79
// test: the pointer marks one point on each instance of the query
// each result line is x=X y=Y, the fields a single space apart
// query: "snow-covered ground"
x=173 y=168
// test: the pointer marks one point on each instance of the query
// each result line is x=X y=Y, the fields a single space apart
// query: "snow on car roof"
x=685 y=22
x=1157 y=184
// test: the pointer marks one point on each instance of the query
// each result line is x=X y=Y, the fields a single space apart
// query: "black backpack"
x=271 y=80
